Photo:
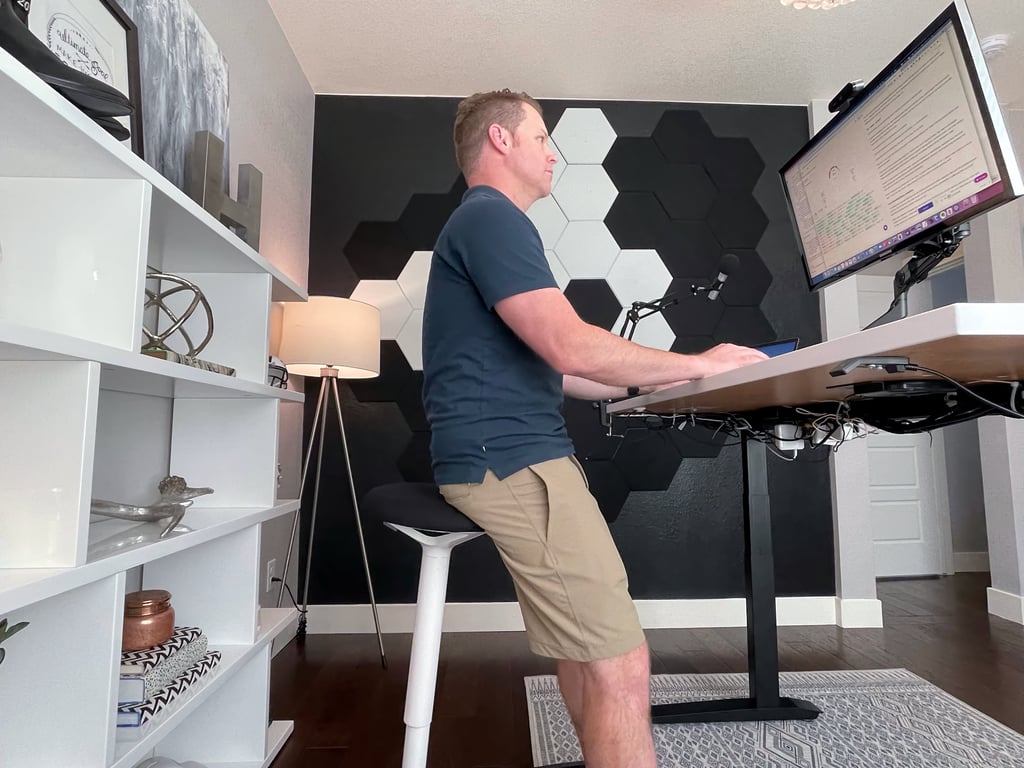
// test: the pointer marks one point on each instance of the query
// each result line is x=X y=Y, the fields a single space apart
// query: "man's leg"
x=615 y=716
x=570 y=681
x=574 y=595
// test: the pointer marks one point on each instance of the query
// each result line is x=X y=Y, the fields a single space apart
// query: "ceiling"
x=749 y=51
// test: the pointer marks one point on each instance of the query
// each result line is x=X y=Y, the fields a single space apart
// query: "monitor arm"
x=927 y=254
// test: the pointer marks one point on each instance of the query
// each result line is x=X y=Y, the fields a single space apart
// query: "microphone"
x=726 y=267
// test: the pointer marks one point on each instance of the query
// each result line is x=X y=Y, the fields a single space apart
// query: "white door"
x=905 y=526
x=910 y=519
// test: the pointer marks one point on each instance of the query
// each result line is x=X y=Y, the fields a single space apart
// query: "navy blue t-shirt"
x=491 y=401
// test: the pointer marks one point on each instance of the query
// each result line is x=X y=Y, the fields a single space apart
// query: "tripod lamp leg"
x=302 y=485
x=312 y=519
x=359 y=525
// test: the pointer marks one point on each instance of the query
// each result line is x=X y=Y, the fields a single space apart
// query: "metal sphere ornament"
x=157 y=300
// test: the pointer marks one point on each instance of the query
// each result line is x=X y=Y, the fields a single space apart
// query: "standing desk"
x=967 y=342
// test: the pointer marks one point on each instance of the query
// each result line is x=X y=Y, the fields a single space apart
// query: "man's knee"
x=628 y=672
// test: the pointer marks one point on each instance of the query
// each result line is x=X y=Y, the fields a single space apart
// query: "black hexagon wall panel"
x=426 y=214
x=683 y=136
x=594 y=302
x=737 y=220
x=378 y=250
x=637 y=220
x=686 y=192
x=635 y=164
x=733 y=164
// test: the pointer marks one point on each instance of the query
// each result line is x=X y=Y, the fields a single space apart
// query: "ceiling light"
x=814 y=5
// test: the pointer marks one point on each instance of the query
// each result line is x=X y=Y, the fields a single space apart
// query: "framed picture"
x=184 y=84
x=99 y=39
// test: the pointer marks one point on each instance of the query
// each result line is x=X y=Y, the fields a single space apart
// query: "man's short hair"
x=477 y=113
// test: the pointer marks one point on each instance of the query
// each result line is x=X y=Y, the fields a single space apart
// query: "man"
x=501 y=347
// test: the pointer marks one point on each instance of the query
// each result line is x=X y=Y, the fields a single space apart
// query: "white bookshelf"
x=86 y=415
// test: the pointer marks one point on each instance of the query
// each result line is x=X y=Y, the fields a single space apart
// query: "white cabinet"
x=85 y=415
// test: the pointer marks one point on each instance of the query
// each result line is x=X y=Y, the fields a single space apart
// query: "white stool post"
x=426 y=638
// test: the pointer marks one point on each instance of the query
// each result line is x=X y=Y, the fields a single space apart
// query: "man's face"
x=533 y=159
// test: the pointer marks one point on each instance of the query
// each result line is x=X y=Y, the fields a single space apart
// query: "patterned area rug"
x=873 y=719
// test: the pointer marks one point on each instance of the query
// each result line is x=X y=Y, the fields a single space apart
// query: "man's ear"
x=499 y=137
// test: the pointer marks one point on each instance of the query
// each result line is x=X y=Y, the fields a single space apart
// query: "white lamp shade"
x=329 y=332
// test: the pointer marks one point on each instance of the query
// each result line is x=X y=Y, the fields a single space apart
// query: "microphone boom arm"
x=633 y=316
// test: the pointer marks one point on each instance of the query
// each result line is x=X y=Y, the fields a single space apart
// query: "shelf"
x=24 y=586
x=125 y=371
x=273 y=621
x=277 y=735
x=63 y=143
x=85 y=218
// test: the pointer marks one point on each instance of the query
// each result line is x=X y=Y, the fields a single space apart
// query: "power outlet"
x=271 y=573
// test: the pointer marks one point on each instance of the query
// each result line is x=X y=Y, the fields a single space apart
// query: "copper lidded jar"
x=148 y=619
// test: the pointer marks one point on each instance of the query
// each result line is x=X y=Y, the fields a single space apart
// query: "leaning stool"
x=420 y=512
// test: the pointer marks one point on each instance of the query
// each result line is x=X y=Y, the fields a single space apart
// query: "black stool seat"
x=416 y=505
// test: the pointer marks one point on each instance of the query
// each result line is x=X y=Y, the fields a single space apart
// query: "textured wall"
x=271 y=123
x=647 y=199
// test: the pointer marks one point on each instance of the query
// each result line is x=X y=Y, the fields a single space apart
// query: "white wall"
x=272 y=128
x=994 y=264
x=271 y=123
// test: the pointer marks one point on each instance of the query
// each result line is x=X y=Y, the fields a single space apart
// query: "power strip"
x=795 y=437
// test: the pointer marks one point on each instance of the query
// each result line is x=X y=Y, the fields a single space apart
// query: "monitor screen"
x=923 y=147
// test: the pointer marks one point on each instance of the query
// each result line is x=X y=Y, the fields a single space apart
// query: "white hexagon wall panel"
x=651 y=331
x=549 y=220
x=586 y=249
x=584 y=135
x=585 y=193
x=410 y=340
x=413 y=279
x=387 y=296
x=561 y=276
x=638 y=275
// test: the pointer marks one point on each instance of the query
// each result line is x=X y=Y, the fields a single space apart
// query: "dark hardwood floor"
x=348 y=711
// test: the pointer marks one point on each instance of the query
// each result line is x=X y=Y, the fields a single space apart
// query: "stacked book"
x=153 y=678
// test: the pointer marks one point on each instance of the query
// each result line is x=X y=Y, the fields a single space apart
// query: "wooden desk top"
x=968 y=342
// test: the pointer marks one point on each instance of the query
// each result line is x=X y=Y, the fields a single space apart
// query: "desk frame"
x=764 y=702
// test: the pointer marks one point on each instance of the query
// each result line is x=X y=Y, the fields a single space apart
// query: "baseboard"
x=970 y=562
x=1006 y=605
x=654 y=614
x=858 y=613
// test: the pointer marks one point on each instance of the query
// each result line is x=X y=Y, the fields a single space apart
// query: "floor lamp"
x=334 y=339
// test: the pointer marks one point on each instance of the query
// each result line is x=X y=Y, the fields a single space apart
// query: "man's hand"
x=725 y=357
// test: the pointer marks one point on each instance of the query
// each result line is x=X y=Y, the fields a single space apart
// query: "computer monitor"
x=919 y=150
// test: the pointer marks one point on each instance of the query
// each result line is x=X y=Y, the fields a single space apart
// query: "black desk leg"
x=764 y=702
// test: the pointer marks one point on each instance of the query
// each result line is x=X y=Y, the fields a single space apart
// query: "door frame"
x=922 y=301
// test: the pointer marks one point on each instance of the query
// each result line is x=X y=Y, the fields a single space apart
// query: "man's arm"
x=545 y=320
x=585 y=389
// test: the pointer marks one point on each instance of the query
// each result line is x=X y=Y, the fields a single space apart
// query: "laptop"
x=779 y=347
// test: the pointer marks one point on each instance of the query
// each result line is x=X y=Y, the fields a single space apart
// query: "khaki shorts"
x=568 y=574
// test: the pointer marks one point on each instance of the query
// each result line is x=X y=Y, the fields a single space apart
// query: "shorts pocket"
x=456 y=492
x=531 y=492
x=583 y=472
